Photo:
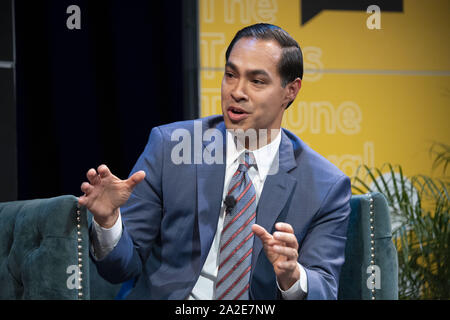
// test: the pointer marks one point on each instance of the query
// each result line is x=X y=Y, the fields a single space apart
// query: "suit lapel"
x=210 y=179
x=276 y=192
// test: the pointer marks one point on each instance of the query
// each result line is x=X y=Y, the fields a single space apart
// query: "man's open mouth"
x=236 y=110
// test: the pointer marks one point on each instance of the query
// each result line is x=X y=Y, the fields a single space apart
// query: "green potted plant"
x=419 y=207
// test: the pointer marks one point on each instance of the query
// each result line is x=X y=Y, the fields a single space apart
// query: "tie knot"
x=246 y=163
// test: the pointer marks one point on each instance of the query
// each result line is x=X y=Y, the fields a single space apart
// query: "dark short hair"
x=290 y=65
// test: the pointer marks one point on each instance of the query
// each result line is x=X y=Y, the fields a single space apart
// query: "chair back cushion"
x=369 y=243
x=39 y=249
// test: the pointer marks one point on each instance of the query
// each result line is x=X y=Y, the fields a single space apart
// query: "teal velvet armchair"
x=370 y=270
x=44 y=252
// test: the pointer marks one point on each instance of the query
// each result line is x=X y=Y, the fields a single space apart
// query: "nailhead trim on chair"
x=372 y=240
x=80 y=255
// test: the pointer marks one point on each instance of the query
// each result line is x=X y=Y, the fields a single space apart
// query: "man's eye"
x=229 y=75
x=257 y=81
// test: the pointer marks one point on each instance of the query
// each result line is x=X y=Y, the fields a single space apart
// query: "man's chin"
x=230 y=125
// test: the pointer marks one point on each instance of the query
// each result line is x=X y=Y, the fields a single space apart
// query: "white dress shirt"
x=104 y=240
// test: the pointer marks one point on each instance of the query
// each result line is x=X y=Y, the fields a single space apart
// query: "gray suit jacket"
x=171 y=218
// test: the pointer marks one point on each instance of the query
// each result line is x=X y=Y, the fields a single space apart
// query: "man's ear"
x=292 y=88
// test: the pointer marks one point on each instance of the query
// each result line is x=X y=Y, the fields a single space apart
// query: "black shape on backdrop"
x=91 y=96
x=311 y=8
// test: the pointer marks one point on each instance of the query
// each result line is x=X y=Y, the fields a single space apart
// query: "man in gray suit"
x=266 y=220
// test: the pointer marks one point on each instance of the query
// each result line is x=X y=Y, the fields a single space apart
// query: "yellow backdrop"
x=369 y=96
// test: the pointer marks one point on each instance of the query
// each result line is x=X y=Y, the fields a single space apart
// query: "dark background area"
x=8 y=141
x=91 y=96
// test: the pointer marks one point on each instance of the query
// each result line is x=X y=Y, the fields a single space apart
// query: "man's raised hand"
x=281 y=249
x=105 y=193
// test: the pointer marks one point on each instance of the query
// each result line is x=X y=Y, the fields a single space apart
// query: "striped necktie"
x=236 y=241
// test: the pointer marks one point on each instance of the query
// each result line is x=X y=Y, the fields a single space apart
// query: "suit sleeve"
x=323 y=248
x=141 y=217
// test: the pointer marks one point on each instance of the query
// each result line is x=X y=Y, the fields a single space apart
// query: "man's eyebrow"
x=256 y=72
x=230 y=65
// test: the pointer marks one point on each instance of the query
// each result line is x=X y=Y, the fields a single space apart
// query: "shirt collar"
x=264 y=156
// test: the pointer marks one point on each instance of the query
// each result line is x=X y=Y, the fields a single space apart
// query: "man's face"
x=252 y=95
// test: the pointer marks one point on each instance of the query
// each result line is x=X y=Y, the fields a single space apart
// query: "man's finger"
x=285 y=227
x=136 y=178
x=261 y=233
x=92 y=176
x=289 y=266
x=288 y=252
x=82 y=201
x=103 y=171
x=288 y=238
x=86 y=188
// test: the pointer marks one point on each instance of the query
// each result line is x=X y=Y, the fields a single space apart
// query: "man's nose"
x=239 y=91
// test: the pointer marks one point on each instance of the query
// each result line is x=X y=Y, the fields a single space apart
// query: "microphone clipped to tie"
x=230 y=202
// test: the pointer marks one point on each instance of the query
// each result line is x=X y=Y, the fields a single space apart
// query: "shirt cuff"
x=299 y=289
x=105 y=239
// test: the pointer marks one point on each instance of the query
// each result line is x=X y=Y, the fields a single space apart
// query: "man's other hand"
x=281 y=249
